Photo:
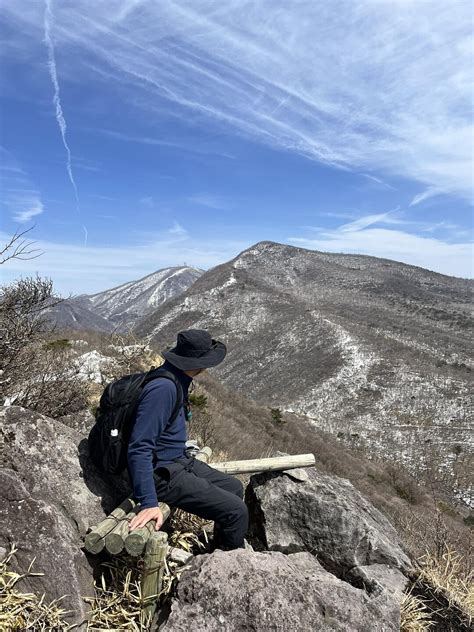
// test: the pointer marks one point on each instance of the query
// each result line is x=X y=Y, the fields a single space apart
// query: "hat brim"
x=212 y=358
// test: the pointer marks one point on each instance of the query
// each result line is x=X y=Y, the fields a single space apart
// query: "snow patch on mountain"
x=319 y=403
x=120 y=307
x=230 y=281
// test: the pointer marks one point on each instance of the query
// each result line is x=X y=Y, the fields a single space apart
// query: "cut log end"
x=94 y=543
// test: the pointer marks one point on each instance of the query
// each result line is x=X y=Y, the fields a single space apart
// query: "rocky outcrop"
x=49 y=495
x=39 y=530
x=82 y=421
x=270 y=592
x=326 y=516
x=327 y=560
x=52 y=462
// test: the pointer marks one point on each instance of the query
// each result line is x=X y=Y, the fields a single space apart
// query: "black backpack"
x=110 y=435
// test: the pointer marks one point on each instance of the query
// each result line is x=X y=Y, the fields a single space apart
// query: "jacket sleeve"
x=154 y=409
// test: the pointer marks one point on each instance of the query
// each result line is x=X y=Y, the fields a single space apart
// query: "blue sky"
x=137 y=134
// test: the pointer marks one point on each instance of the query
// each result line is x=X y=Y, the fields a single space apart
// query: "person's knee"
x=235 y=511
x=238 y=488
x=240 y=513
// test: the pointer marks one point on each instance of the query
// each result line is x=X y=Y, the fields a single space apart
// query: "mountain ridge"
x=377 y=352
x=119 y=307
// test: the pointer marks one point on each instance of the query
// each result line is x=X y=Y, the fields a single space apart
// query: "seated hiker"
x=158 y=466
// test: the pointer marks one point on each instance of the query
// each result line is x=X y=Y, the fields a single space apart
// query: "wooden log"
x=115 y=540
x=264 y=465
x=135 y=541
x=152 y=577
x=94 y=541
x=179 y=555
x=297 y=474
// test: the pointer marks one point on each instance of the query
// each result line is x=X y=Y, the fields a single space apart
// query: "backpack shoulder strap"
x=156 y=373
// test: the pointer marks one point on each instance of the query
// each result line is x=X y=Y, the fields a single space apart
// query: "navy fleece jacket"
x=153 y=442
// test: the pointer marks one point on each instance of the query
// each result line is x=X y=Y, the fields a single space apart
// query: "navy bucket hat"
x=195 y=349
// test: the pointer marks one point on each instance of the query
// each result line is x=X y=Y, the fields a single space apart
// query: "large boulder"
x=326 y=516
x=50 y=494
x=81 y=421
x=40 y=531
x=241 y=590
x=51 y=460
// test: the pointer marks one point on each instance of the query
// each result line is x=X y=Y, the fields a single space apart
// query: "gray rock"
x=81 y=421
x=51 y=460
x=377 y=578
x=324 y=515
x=50 y=494
x=39 y=531
x=298 y=474
x=237 y=591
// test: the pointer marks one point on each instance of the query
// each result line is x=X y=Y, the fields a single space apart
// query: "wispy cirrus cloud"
x=178 y=230
x=378 y=181
x=188 y=146
x=210 y=201
x=79 y=270
x=19 y=197
x=32 y=207
x=363 y=85
x=147 y=200
x=425 y=195
x=365 y=221
x=48 y=21
x=368 y=235
x=86 y=164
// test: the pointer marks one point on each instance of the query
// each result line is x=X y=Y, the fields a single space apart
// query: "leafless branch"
x=18 y=247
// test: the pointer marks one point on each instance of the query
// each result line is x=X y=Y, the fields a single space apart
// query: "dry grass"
x=414 y=614
x=186 y=529
x=445 y=574
x=26 y=611
x=118 y=602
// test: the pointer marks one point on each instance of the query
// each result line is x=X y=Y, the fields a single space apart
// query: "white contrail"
x=48 y=20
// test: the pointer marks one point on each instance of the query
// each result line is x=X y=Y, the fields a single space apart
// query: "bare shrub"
x=22 y=318
x=201 y=427
x=52 y=385
x=36 y=371
x=403 y=484
x=130 y=353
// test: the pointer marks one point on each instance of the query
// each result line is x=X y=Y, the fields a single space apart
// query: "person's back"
x=158 y=466
x=154 y=441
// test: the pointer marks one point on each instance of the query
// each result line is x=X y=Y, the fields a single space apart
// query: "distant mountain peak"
x=123 y=305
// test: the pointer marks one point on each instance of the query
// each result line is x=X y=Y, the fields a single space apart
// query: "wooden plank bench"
x=113 y=533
